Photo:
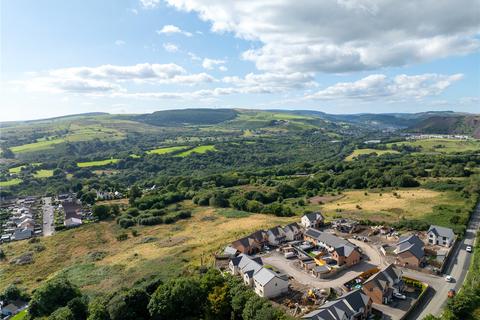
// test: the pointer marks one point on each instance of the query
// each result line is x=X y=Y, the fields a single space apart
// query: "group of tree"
x=198 y=295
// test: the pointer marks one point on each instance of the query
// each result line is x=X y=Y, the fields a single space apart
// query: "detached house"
x=353 y=306
x=265 y=282
x=381 y=286
x=410 y=251
x=343 y=251
x=312 y=220
x=293 y=232
x=250 y=244
x=441 y=236
x=276 y=236
x=268 y=284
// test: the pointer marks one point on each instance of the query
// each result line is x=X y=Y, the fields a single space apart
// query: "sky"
x=338 y=56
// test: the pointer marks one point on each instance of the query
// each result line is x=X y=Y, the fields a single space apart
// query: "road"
x=457 y=268
x=48 y=227
x=287 y=266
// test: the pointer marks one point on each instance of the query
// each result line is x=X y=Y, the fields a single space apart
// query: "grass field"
x=43 y=173
x=415 y=203
x=443 y=145
x=97 y=163
x=359 y=152
x=166 y=150
x=200 y=149
x=10 y=182
x=18 y=169
x=20 y=316
x=162 y=250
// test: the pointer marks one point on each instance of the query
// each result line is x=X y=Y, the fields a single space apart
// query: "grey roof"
x=314 y=216
x=348 y=305
x=442 y=231
x=276 y=231
x=341 y=246
x=386 y=278
x=411 y=243
x=292 y=227
x=229 y=250
x=264 y=276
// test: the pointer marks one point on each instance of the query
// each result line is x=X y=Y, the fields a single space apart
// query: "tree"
x=97 y=310
x=101 y=211
x=129 y=305
x=7 y=153
x=252 y=306
x=88 y=197
x=12 y=292
x=63 y=313
x=55 y=293
x=179 y=298
x=79 y=307
x=218 y=303
x=134 y=193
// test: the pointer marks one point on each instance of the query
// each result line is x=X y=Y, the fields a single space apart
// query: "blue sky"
x=337 y=56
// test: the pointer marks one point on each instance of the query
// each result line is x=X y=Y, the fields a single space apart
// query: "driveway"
x=289 y=267
x=457 y=268
x=48 y=227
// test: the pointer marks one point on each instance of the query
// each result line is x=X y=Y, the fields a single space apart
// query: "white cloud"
x=170 y=29
x=223 y=68
x=194 y=57
x=210 y=64
x=120 y=43
x=170 y=47
x=379 y=86
x=111 y=78
x=149 y=4
x=343 y=35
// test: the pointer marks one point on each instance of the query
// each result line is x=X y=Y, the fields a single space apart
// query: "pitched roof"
x=385 y=278
x=411 y=243
x=292 y=227
x=276 y=231
x=442 y=231
x=341 y=246
x=313 y=216
x=345 y=306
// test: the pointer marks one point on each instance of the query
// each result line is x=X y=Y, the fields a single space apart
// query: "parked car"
x=469 y=249
x=448 y=278
x=400 y=296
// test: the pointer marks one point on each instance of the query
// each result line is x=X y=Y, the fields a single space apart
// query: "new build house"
x=410 y=251
x=312 y=220
x=276 y=236
x=381 y=286
x=265 y=282
x=355 y=305
x=441 y=236
x=341 y=250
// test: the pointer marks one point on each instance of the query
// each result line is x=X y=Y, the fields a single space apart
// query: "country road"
x=48 y=227
x=457 y=268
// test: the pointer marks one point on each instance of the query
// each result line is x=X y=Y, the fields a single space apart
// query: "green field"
x=17 y=170
x=166 y=150
x=20 y=316
x=11 y=182
x=97 y=163
x=200 y=149
x=43 y=173
x=359 y=152
x=442 y=145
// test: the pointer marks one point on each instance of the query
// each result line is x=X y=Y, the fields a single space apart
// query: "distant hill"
x=186 y=117
x=466 y=124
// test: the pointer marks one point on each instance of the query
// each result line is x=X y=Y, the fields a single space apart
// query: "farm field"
x=162 y=249
x=18 y=169
x=359 y=152
x=443 y=145
x=200 y=149
x=43 y=173
x=415 y=203
x=166 y=150
x=97 y=163
x=10 y=182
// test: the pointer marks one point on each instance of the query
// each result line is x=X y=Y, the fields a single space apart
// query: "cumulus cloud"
x=210 y=64
x=149 y=4
x=400 y=87
x=170 y=29
x=343 y=35
x=170 y=47
x=112 y=78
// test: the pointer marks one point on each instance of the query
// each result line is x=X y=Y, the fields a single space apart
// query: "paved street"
x=457 y=268
x=48 y=227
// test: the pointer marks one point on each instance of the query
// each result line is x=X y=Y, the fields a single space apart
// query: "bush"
x=122 y=237
x=54 y=294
